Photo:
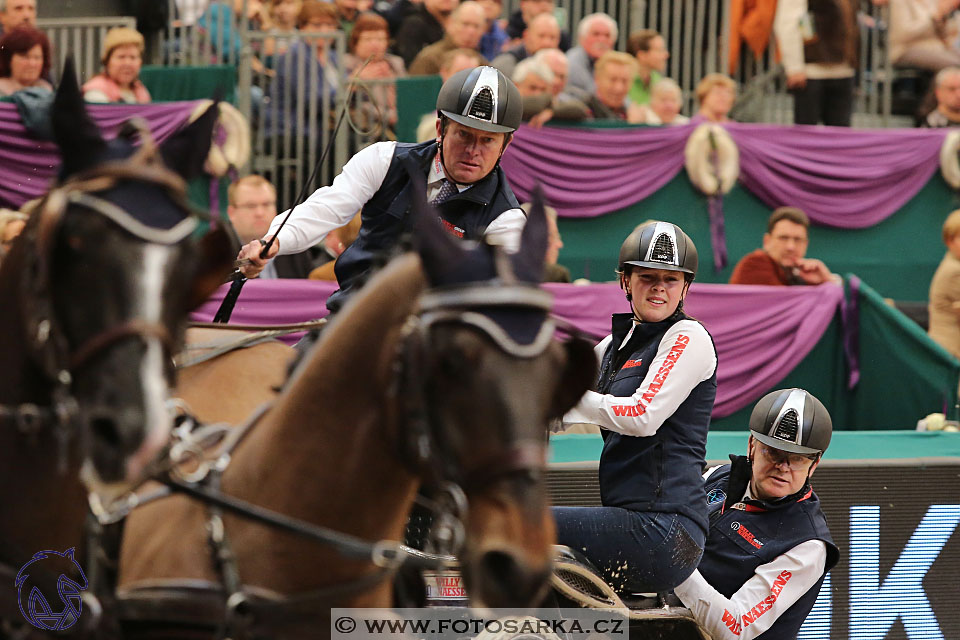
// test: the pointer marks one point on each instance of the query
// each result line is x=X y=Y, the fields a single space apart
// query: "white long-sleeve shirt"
x=789 y=24
x=686 y=357
x=333 y=206
x=770 y=586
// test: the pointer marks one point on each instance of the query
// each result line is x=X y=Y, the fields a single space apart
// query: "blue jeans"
x=636 y=551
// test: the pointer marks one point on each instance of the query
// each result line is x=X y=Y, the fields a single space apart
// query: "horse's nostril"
x=514 y=583
x=106 y=429
x=501 y=566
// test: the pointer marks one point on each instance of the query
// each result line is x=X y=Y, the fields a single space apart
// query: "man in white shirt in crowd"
x=768 y=548
x=477 y=112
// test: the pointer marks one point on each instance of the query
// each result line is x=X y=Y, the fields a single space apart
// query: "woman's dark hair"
x=21 y=40
x=366 y=22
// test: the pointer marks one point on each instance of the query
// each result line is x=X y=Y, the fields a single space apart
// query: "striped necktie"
x=447 y=190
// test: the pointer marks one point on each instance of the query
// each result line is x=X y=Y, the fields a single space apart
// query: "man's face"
x=469 y=154
x=533 y=85
x=613 y=83
x=468 y=27
x=541 y=33
x=254 y=207
x=948 y=92
x=18 y=13
x=777 y=473
x=558 y=64
x=598 y=39
x=530 y=9
x=655 y=57
x=786 y=243
x=460 y=62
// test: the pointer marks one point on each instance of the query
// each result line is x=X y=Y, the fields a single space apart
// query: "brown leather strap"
x=133 y=328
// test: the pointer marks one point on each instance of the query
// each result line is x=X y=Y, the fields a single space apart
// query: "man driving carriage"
x=477 y=112
x=768 y=548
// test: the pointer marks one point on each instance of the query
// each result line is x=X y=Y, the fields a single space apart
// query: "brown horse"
x=403 y=387
x=94 y=296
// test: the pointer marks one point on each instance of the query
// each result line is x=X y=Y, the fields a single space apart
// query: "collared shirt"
x=805 y=562
x=335 y=205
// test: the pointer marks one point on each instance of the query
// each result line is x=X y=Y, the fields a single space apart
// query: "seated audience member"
x=557 y=61
x=767 y=496
x=564 y=105
x=612 y=77
x=24 y=60
x=530 y=9
x=220 y=21
x=422 y=27
x=451 y=63
x=494 y=38
x=946 y=88
x=533 y=80
x=596 y=34
x=920 y=34
x=251 y=206
x=120 y=80
x=552 y=271
x=17 y=13
x=348 y=13
x=284 y=14
x=369 y=40
x=715 y=95
x=666 y=98
x=464 y=30
x=543 y=32
x=782 y=261
x=944 y=306
x=650 y=50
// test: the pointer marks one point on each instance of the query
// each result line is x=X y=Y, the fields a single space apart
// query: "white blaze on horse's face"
x=155 y=263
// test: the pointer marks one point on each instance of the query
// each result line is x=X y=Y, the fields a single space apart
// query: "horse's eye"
x=75 y=242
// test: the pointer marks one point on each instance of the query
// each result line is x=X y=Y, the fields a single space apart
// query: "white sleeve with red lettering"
x=762 y=599
x=686 y=358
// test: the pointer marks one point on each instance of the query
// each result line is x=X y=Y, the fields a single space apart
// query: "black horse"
x=94 y=298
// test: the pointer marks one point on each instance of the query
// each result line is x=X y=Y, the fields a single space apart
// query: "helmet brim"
x=658 y=265
x=476 y=123
x=776 y=443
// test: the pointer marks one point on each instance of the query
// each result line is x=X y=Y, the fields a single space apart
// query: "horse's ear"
x=186 y=151
x=216 y=251
x=528 y=260
x=579 y=374
x=77 y=136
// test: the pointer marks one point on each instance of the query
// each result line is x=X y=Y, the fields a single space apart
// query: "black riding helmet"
x=481 y=98
x=792 y=420
x=659 y=245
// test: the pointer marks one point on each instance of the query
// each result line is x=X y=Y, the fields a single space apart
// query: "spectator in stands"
x=368 y=40
x=768 y=546
x=543 y=96
x=348 y=13
x=120 y=80
x=534 y=80
x=715 y=95
x=422 y=27
x=451 y=63
x=650 y=50
x=819 y=44
x=557 y=61
x=920 y=34
x=596 y=35
x=944 y=306
x=782 y=259
x=284 y=14
x=16 y=13
x=220 y=20
x=612 y=77
x=946 y=88
x=494 y=38
x=464 y=29
x=666 y=100
x=24 y=60
x=252 y=205
x=530 y=9
x=542 y=32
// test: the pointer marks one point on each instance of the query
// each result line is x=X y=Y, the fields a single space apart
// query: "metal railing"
x=82 y=37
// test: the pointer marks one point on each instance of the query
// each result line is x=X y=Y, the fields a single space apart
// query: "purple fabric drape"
x=587 y=173
x=846 y=178
x=29 y=165
x=761 y=333
x=840 y=177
